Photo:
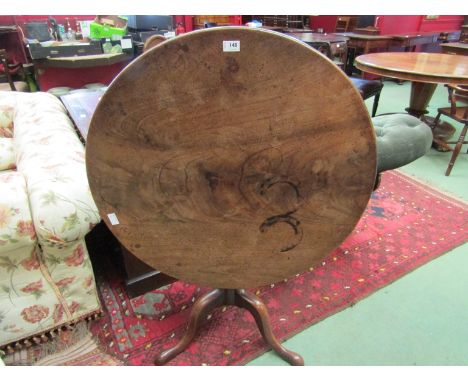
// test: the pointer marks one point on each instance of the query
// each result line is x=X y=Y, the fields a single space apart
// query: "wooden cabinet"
x=287 y=21
x=200 y=20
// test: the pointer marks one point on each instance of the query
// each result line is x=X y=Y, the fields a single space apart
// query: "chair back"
x=5 y=71
x=458 y=97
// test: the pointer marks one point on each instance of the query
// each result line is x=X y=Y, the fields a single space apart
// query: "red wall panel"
x=327 y=23
x=442 y=23
x=397 y=24
x=390 y=24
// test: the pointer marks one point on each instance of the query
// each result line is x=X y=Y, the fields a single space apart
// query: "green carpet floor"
x=422 y=318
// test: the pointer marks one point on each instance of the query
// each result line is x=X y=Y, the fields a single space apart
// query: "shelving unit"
x=288 y=21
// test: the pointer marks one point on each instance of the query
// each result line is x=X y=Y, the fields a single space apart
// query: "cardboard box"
x=113 y=27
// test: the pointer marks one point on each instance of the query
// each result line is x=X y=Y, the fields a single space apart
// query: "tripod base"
x=237 y=297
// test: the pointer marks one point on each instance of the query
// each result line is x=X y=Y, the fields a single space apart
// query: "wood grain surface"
x=420 y=67
x=231 y=169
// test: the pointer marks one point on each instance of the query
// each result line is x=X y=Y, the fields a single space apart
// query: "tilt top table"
x=247 y=159
x=425 y=71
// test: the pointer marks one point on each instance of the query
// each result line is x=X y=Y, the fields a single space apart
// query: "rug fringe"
x=78 y=332
x=46 y=338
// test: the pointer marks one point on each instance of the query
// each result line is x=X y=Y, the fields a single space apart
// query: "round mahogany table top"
x=419 y=67
x=231 y=157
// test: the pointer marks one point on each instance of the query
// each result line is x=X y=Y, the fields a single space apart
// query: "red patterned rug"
x=405 y=225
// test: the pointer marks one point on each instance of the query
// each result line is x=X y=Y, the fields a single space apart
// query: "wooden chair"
x=152 y=41
x=368 y=89
x=7 y=70
x=458 y=110
x=342 y=24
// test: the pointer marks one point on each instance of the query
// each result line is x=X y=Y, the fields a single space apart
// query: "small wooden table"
x=364 y=42
x=367 y=42
x=425 y=71
x=411 y=40
x=460 y=48
x=330 y=44
x=319 y=37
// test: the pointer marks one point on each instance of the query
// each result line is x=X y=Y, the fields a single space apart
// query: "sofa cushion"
x=16 y=226
x=401 y=139
x=51 y=157
x=29 y=302
x=7 y=154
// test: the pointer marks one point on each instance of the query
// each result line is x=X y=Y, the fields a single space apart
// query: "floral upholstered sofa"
x=46 y=209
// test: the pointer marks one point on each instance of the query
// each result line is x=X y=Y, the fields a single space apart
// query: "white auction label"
x=113 y=219
x=231 y=46
x=126 y=43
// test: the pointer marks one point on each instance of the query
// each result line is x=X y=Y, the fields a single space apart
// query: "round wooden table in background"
x=425 y=71
x=231 y=169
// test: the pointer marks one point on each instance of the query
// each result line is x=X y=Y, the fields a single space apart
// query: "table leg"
x=236 y=297
x=350 y=56
x=365 y=51
x=421 y=94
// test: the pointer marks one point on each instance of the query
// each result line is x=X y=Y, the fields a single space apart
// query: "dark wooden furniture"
x=139 y=278
x=7 y=71
x=296 y=30
x=78 y=71
x=451 y=36
x=11 y=39
x=234 y=169
x=331 y=45
x=219 y=20
x=282 y=21
x=412 y=40
x=369 y=89
x=75 y=62
x=334 y=46
x=425 y=71
x=363 y=44
x=80 y=106
x=370 y=30
x=455 y=48
x=464 y=34
x=457 y=94
x=366 y=42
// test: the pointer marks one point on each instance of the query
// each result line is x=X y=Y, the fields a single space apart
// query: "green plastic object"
x=98 y=31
